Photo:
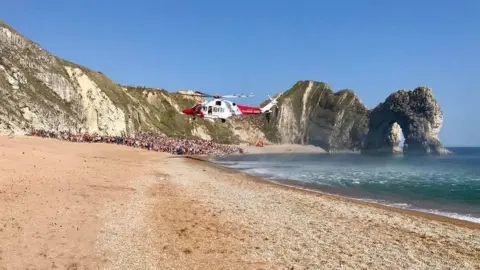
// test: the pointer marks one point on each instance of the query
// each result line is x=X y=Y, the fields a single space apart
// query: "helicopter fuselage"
x=220 y=109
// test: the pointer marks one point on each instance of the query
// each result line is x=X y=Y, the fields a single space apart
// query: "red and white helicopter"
x=222 y=109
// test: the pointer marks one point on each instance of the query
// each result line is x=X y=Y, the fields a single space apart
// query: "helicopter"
x=222 y=109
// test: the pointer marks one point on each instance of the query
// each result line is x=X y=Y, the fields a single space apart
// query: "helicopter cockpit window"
x=218 y=103
x=229 y=106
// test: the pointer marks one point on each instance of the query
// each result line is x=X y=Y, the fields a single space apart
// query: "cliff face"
x=41 y=91
x=311 y=113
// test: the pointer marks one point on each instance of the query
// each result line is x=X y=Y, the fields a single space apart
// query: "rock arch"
x=418 y=115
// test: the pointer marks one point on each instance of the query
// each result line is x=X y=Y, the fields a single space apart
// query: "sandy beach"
x=103 y=206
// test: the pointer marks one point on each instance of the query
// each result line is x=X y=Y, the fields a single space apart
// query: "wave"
x=451 y=215
x=465 y=217
x=448 y=188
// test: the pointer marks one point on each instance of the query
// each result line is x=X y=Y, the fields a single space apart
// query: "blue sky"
x=264 y=47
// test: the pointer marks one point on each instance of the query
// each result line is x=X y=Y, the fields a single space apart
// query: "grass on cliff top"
x=5 y=25
x=160 y=117
x=171 y=122
x=334 y=100
x=299 y=86
x=156 y=116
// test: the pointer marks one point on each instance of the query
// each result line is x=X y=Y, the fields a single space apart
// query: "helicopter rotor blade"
x=204 y=94
x=237 y=96
x=201 y=94
x=193 y=95
x=196 y=94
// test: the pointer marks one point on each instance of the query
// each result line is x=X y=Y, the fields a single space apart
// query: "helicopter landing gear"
x=267 y=116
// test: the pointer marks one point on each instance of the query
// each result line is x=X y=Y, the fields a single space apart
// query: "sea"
x=446 y=185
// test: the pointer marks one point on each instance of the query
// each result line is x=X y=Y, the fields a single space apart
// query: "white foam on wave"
x=400 y=205
x=407 y=206
x=227 y=163
x=451 y=215
x=340 y=176
x=258 y=171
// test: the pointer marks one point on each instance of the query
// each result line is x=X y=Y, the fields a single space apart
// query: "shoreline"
x=319 y=192
x=395 y=205
x=113 y=207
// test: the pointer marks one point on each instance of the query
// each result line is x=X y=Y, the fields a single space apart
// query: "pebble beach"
x=103 y=206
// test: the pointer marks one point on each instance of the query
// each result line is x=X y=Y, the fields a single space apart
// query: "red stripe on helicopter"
x=249 y=110
x=196 y=110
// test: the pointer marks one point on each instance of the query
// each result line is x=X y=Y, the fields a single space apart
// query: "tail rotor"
x=268 y=108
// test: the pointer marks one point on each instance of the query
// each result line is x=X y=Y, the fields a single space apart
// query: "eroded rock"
x=60 y=85
x=100 y=113
x=419 y=116
x=311 y=113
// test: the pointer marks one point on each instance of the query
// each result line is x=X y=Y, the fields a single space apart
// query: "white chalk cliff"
x=311 y=113
x=41 y=91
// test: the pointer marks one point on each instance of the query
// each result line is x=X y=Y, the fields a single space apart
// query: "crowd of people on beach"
x=151 y=142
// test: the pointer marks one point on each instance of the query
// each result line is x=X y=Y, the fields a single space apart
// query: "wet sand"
x=84 y=206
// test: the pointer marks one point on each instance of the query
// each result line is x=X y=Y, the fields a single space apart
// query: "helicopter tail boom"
x=273 y=103
x=249 y=110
